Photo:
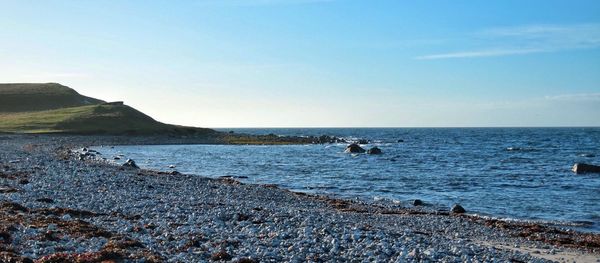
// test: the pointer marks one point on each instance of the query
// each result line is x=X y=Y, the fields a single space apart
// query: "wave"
x=521 y=149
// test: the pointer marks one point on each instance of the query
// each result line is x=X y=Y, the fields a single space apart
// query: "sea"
x=507 y=173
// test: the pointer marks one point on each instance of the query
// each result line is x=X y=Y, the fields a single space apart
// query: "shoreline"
x=576 y=225
x=186 y=217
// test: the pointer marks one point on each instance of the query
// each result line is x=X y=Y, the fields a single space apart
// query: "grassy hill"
x=54 y=108
x=92 y=119
x=20 y=97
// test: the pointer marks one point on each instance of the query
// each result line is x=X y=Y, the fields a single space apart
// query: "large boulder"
x=581 y=168
x=458 y=209
x=374 y=150
x=131 y=164
x=354 y=148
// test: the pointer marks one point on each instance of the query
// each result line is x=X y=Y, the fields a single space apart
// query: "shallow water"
x=521 y=173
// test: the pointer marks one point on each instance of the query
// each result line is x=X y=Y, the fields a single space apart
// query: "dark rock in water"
x=587 y=155
x=175 y=173
x=23 y=181
x=400 y=140
x=323 y=139
x=117 y=158
x=580 y=168
x=374 y=150
x=354 y=148
x=131 y=164
x=458 y=209
x=84 y=155
x=417 y=202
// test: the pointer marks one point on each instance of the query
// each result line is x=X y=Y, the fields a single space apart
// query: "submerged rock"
x=354 y=148
x=458 y=209
x=587 y=155
x=580 y=168
x=131 y=164
x=363 y=141
x=417 y=202
x=374 y=150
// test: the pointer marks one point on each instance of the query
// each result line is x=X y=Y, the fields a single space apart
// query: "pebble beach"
x=58 y=204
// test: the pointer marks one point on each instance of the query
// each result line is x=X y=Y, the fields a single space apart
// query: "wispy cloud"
x=526 y=40
x=481 y=53
x=575 y=97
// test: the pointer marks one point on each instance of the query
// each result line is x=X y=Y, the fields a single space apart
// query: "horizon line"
x=402 y=127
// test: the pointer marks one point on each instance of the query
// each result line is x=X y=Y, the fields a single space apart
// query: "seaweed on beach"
x=17 y=175
x=119 y=248
x=12 y=256
x=60 y=211
x=548 y=235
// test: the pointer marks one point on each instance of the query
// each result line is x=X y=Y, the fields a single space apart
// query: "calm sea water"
x=520 y=173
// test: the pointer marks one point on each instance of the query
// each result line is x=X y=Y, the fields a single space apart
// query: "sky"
x=317 y=63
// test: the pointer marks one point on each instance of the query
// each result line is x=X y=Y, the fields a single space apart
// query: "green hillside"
x=20 y=97
x=54 y=108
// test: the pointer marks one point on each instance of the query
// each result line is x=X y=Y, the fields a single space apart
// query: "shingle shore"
x=56 y=207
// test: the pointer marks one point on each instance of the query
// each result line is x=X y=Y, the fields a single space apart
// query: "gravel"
x=79 y=206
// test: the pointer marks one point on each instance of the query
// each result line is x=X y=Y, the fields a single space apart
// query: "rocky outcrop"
x=581 y=168
x=374 y=150
x=354 y=148
x=323 y=139
x=131 y=164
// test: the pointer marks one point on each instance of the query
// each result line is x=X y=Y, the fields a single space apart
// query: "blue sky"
x=317 y=63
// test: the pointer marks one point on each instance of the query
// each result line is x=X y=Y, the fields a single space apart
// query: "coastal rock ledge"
x=581 y=168
x=354 y=148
